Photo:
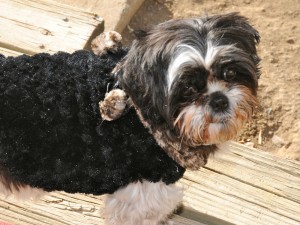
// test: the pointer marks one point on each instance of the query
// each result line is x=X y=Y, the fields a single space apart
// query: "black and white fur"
x=193 y=83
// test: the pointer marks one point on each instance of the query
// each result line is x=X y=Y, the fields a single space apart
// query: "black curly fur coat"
x=51 y=133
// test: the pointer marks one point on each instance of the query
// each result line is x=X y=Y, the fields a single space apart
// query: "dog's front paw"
x=113 y=105
x=106 y=42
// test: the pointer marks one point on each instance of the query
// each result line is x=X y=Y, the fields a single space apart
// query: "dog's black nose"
x=219 y=102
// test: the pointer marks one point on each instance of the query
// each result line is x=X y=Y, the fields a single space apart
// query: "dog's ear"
x=140 y=34
x=235 y=29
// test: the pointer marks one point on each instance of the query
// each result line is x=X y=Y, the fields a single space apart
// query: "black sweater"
x=52 y=135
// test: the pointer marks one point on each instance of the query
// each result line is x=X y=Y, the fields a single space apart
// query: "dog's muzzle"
x=219 y=102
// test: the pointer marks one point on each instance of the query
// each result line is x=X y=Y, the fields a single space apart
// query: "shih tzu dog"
x=192 y=83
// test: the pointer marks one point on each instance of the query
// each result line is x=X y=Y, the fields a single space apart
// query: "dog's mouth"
x=202 y=127
x=221 y=118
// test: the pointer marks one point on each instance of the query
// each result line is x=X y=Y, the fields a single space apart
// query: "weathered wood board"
x=116 y=13
x=61 y=209
x=246 y=186
x=8 y=52
x=239 y=186
x=32 y=26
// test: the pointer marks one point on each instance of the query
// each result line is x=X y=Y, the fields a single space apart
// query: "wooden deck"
x=240 y=186
x=32 y=26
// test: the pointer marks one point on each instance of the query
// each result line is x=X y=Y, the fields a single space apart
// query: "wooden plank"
x=32 y=26
x=116 y=14
x=8 y=52
x=60 y=208
x=179 y=220
x=246 y=186
x=238 y=186
x=57 y=208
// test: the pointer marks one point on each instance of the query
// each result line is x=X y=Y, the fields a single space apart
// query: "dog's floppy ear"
x=235 y=29
x=236 y=25
x=140 y=34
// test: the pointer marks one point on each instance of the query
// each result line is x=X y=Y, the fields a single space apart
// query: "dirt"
x=276 y=125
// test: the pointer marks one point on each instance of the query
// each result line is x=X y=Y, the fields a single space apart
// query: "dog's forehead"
x=188 y=56
x=219 y=30
x=175 y=45
x=200 y=42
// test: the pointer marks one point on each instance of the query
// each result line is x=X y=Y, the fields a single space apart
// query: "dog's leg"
x=20 y=191
x=142 y=203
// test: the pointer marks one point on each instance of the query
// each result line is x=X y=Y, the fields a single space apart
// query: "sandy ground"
x=276 y=126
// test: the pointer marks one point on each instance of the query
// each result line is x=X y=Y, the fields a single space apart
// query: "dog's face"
x=195 y=78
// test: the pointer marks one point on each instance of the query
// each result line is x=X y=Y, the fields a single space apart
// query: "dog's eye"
x=229 y=74
x=191 y=89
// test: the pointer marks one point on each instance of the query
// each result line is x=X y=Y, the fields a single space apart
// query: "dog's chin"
x=221 y=132
x=210 y=130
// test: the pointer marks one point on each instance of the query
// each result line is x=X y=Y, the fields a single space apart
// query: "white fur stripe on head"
x=216 y=86
x=187 y=55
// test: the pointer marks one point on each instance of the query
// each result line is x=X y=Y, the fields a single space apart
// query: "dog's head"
x=195 y=78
